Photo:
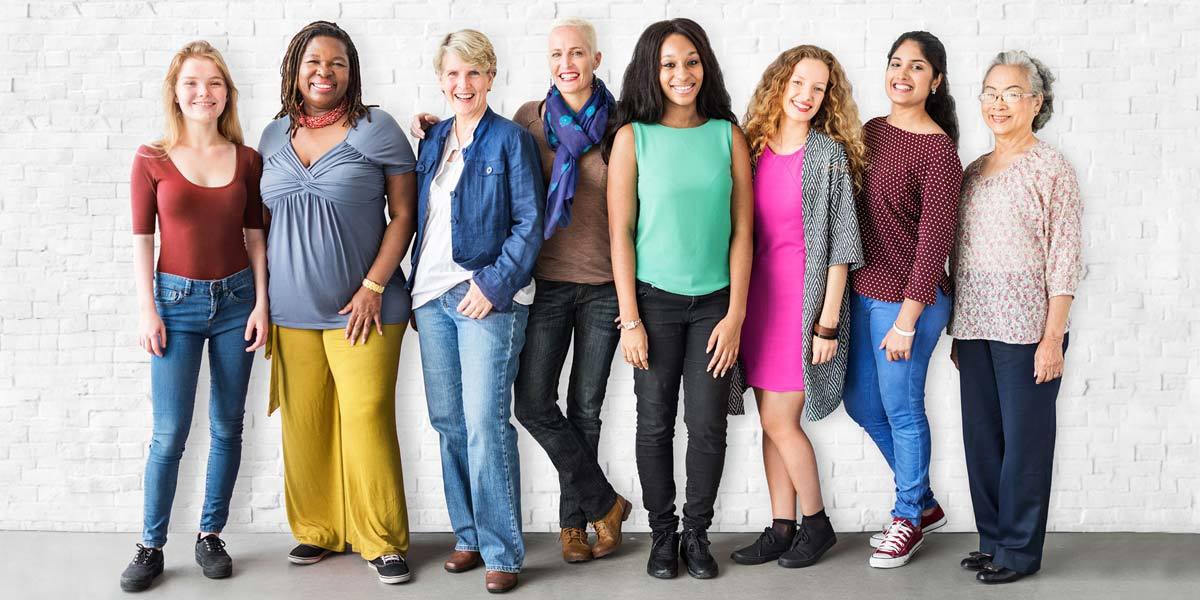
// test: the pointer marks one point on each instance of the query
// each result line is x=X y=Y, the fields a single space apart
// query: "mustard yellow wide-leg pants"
x=341 y=461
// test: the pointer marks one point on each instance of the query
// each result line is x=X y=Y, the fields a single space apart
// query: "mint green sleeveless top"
x=684 y=186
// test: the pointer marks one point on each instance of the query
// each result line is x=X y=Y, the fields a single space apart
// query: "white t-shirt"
x=437 y=273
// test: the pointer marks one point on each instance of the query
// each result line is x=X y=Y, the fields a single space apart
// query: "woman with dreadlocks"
x=331 y=166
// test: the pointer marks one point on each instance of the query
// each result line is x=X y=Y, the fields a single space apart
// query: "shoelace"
x=143 y=555
x=576 y=535
x=897 y=537
x=213 y=543
x=801 y=535
x=767 y=539
x=660 y=546
x=696 y=542
x=390 y=558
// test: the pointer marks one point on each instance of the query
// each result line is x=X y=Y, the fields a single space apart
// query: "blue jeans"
x=560 y=311
x=469 y=368
x=195 y=311
x=888 y=398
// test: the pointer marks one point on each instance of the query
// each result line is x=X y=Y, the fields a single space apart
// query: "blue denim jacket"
x=497 y=208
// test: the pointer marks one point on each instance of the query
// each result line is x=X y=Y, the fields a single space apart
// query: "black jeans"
x=1008 y=435
x=678 y=328
x=559 y=310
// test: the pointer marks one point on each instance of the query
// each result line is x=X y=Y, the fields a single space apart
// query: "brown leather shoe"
x=575 y=548
x=608 y=529
x=498 y=582
x=462 y=560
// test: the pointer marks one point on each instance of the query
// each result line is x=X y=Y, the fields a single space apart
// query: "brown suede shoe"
x=498 y=582
x=575 y=548
x=462 y=560
x=608 y=529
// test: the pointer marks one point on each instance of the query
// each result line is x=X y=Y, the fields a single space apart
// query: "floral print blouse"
x=1018 y=245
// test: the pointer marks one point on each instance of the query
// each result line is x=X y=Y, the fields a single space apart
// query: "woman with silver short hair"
x=1016 y=266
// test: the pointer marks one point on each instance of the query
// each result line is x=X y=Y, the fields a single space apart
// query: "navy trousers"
x=1008 y=433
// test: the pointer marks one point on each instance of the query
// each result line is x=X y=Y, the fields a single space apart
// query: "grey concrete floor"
x=1077 y=565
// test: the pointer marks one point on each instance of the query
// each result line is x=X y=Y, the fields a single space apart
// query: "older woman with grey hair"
x=1016 y=266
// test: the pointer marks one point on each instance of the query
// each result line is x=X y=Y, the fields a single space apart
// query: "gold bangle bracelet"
x=371 y=285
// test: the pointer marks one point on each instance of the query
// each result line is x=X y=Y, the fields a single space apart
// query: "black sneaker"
x=814 y=537
x=693 y=548
x=664 y=555
x=145 y=566
x=212 y=557
x=391 y=568
x=307 y=554
x=768 y=547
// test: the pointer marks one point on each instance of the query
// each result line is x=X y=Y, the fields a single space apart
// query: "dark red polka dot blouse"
x=907 y=213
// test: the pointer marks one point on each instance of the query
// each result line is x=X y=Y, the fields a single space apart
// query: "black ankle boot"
x=768 y=547
x=664 y=555
x=693 y=547
x=813 y=539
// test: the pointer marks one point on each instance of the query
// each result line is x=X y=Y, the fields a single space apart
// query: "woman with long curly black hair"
x=680 y=222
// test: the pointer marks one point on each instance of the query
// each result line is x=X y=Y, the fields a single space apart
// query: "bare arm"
x=152 y=334
x=259 y=322
x=364 y=308
x=622 y=229
x=725 y=340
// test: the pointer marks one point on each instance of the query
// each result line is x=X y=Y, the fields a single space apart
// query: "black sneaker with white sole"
x=145 y=566
x=307 y=554
x=212 y=557
x=391 y=568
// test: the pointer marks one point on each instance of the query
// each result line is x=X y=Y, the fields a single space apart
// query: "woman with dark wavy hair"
x=901 y=302
x=680 y=221
x=804 y=134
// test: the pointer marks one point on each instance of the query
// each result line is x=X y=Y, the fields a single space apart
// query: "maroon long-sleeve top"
x=907 y=213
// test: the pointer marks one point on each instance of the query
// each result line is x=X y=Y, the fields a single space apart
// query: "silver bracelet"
x=903 y=333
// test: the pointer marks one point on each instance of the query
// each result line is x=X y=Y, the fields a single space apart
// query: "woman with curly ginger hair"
x=806 y=141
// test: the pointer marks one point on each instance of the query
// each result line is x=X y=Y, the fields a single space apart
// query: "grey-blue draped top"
x=327 y=221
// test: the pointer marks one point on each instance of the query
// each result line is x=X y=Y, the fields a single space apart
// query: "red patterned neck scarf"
x=323 y=120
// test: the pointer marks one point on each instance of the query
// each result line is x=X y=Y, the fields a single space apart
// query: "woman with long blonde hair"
x=806 y=141
x=200 y=185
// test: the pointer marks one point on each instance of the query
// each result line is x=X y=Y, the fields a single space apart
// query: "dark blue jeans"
x=560 y=311
x=195 y=312
x=1008 y=433
x=677 y=329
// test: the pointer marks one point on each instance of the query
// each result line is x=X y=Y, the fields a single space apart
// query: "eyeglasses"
x=1009 y=97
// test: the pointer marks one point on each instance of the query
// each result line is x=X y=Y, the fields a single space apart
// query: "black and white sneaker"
x=212 y=557
x=391 y=568
x=145 y=566
x=306 y=554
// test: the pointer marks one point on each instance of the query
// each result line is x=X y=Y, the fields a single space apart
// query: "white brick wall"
x=79 y=92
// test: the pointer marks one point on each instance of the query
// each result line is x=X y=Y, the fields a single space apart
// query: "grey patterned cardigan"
x=830 y=238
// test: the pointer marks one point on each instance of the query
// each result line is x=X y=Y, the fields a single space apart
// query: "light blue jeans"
x=469 y=368
x=194 y=312
x=888 y=398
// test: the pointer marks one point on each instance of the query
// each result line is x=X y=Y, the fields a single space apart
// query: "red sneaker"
x=899 y=545
x=929 y=523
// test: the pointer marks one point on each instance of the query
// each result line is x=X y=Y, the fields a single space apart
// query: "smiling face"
x=1004 y=117
x=679 y=70
x=201 y=90
x=572 y=61
x=805 y=90
x=324 y=74
x=465 y=85
x=909 y=78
